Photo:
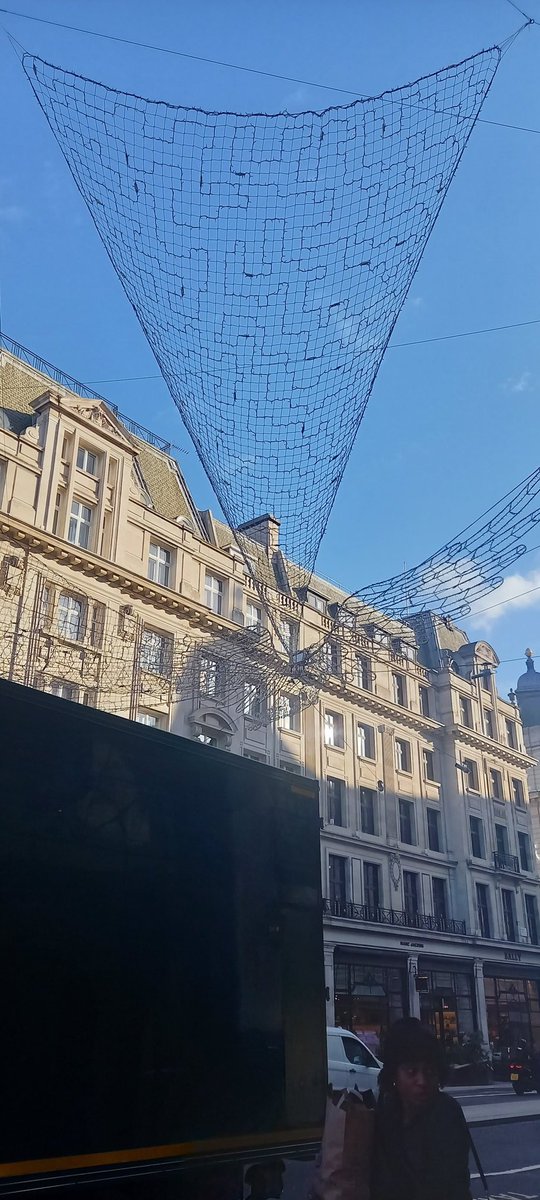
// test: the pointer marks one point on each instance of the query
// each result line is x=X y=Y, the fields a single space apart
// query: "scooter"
x=525 y=1075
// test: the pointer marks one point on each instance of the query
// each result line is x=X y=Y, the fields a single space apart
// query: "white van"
x=350 y=1063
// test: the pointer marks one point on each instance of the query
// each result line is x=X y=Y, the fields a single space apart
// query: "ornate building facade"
x=117 y=591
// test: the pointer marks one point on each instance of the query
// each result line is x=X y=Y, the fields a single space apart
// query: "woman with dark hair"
x=421 y=1149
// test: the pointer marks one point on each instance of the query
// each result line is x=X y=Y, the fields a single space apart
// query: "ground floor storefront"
x=455 y=996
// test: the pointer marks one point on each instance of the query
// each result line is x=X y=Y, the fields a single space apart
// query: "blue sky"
x=451 y=425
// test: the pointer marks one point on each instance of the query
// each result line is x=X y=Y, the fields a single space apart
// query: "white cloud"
x=522 y=383
x=515 y=592
x=416 y=301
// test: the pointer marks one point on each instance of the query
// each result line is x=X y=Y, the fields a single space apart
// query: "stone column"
x=329 y=983
x=414 y=998
x=480 y=996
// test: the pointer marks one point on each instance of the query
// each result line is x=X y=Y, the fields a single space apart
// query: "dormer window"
x=87 y=460
x=316 y=602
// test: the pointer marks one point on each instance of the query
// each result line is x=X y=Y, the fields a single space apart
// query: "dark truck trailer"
x=162 y=1018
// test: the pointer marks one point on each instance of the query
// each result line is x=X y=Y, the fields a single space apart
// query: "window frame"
x=473 y=780
x=253 y=699
x=406 y=810
x=524 y=842
x=78 y=522
x=399 y=689
x=465 y=712
x=257 y=623
x=212 y=592
x=343 y=884
x=436 y=882
x=402 y=756
x=213 y=666
x=367 y=741
x=334 y=721
x=371 y=826
x=479 y=830
x=428 y=765
x=489 y=723
x=158 y=566
x=63 y=622
x=423 y=700
x=87 y=453
x=335 y=803
x=509 y=914
x=289 y=713
x=518 y=792
x=495 y=784
x=483 y=908
x=163 y=670
x=433 y=821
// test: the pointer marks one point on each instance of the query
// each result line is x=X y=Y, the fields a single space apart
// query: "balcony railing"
x=392 y=916
x=506 y=862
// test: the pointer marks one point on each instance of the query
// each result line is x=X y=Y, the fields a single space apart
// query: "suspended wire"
x=445 y=337
x=216 y=62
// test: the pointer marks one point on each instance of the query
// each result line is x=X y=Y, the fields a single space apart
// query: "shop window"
x=524 y=843
x=334 y=797
x=337 y=878
x=406 y=822
x=368 y=810
x=509 y=917
x=434 y=829
x=333 y=730
x=484 y=909
x=365 y=741
x=531 y=910
x=477 y=837
x=402 y=751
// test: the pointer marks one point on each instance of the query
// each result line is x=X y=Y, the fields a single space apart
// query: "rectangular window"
x=531 y=910
x=211 y=676
x=333 y=730
x=365 y=741
x=368 y=810
x=485 y=679
x=477 y=837
x=470 y=771
x=507 y=898
x=501 y=836
x=255 y=756
x=253 y=700
x=148 y=718
x=406 y=822
x=363 y=672
x=398 y=689
x=335 y=806
x=440 y=907
x=434 y=829
x=66 y=691
x=288 y=764
x=489 y=728
x=253 y=616
x=524 y=843
x=156 y=652
x=3 y=474
x=289 y=636
x=510 y=733
x=337 y=878
x=70 y=617
x=213 y=593
x=87 y=460
x=495 y=783
x=518 y=793
x=159 y=564
x=483 y=905
x=80 y=523
x=316 y=602
x=410 y=893
x=332 y=658
x=97 y=624
x=423 y=693
x=372 y=888
x=402 y=751
x=428 y=764
x=289 y=713
x=57 y=510
x=465 y=712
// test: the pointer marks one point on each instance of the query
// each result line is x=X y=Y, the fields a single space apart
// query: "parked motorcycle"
x=525 y=1074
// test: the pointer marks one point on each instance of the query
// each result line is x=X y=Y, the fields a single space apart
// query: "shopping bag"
x=344 y=1168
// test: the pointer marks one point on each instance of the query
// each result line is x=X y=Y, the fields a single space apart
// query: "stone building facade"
x=110 y=576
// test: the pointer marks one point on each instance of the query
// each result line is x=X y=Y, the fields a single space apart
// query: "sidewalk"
x=516 y=1108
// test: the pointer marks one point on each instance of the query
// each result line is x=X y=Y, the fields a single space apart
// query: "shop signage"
x=415 y=945
x=512 y=955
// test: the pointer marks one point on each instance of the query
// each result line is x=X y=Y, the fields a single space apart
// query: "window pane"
x=433 y=823
x=70 y=612
x=334 y=791
x=367 y=810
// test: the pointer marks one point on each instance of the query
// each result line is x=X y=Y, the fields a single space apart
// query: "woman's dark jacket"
x=427 y=1159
